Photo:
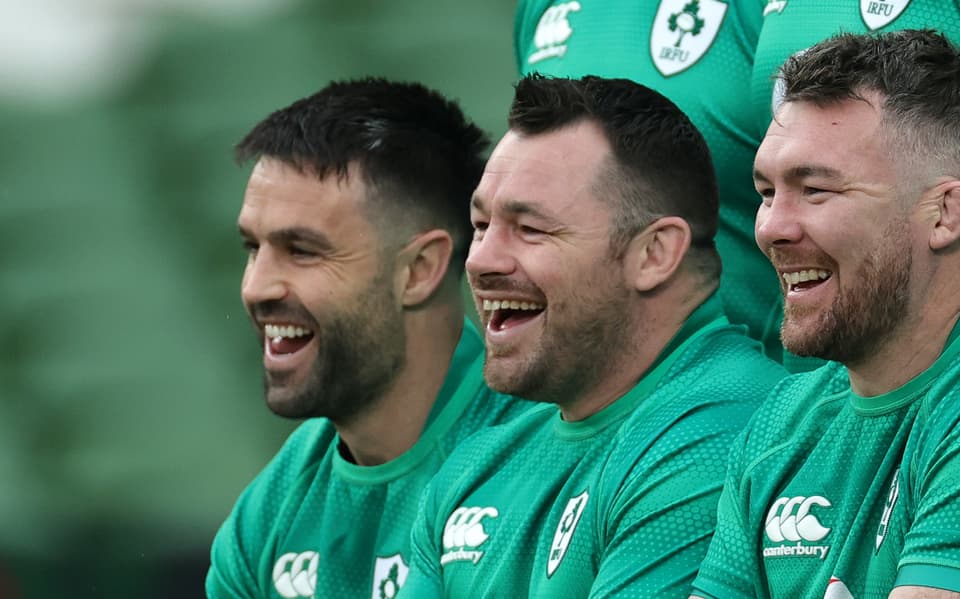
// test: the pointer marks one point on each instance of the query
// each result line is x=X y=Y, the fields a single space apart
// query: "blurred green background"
x=131 y=412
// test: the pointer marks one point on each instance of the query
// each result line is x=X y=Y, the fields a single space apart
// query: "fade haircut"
x=660 y=163
x=917 y=74
x=417 y=153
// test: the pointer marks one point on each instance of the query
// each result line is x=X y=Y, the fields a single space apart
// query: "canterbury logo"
x=295 y=574
x=553 y=30
x=789 y=519
x=464 y=531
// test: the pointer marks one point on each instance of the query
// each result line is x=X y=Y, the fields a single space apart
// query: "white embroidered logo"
x=880 y=13
x=389 y=576
x=295 y=574
x=783 y=524
x=568 y=523
x=553 y=30
x=892 y=497
x=774 y=6
x=464 y=531
x=682 y=33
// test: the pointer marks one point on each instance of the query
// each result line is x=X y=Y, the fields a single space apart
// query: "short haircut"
x=917 y=73
x=660 y=165
x=416 y=151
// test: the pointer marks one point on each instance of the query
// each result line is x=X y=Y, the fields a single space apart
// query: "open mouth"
x=802 y=280
x=505 y=314
x=284 y=339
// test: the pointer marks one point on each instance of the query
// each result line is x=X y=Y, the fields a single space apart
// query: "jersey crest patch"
x=880 y=13
x=389 y=575
x=892 y=497
x=683 y=32
x=553 y=31
x=295 y=574
x=568 y=523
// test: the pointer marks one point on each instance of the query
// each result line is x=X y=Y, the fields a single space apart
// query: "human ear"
x=423 y=263
x=946 y=229
x=655 y=253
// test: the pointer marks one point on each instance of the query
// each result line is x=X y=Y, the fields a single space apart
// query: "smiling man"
x=355 y=220
x=594 y=270
x=847 y=483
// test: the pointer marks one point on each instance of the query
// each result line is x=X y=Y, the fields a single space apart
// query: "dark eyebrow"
x=797 y=173
x=290 y=235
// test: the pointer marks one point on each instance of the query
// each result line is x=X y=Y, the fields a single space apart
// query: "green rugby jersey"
x=829 y=488
x=790 y=26
x=700 y=55
x=621 y=502
x=315 y=525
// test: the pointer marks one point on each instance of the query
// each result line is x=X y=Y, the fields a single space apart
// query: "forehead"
x=554 y=171
x=843 y=135
x=279 y=196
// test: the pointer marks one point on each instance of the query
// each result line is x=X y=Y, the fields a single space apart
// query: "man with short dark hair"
x=356 y=223
x=847 y=482
x=594 y=271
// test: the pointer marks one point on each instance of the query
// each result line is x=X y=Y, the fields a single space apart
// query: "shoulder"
x=488 y=448
x=725 y=365
x=300 y=455
x=260 y=508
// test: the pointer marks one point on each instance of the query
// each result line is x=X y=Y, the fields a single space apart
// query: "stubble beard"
x=579 y=345
x=360 y=352
x=860 y=318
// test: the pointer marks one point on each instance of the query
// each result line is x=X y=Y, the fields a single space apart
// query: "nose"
x=778 y=222
x=491 y=253
x=263 y=279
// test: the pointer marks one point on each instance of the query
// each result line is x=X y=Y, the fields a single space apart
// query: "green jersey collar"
x=912 y=389
x=464 y=379
x=707 y=317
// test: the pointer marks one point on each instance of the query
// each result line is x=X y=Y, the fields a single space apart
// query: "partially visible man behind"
x=356 y=223
x=847 y=483
x=594 y=271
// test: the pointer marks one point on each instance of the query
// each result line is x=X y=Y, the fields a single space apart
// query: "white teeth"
x=491 y=305
x=278 y=332
x=802 y=276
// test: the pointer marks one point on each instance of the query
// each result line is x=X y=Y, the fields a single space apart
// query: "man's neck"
x=906 y=354
x=662 y=319
x=394 y=423
x=918 y=341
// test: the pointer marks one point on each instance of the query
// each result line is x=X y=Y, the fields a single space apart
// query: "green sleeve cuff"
x=926 y=575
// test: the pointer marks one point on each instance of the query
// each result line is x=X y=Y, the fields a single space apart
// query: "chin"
x=286 y=404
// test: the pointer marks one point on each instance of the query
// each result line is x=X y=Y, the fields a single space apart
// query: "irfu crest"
x=389 y=574
x=687 y=21
x=880 y=13
x=566 y=526
x=683 y=32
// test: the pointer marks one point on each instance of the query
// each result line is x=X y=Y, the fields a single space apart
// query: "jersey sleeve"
x=660 y=523
x=730 y=565
x=931 y=553
x=424 y=580
x=232 y=562
x=235 y=556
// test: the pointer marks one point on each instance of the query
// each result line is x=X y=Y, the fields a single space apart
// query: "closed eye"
x=528 y=230
x=298 y=251
x=766 y=194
